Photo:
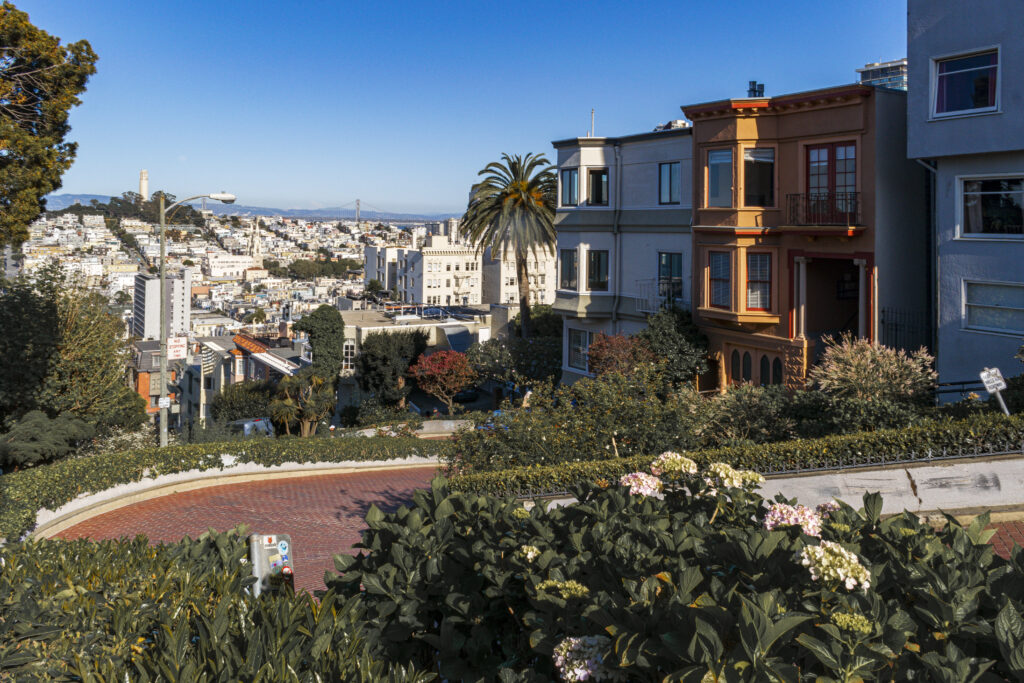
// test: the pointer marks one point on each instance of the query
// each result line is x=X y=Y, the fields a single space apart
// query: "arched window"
x=735 y=366
x=777 y=371
x=746 y=366
x=765 y=375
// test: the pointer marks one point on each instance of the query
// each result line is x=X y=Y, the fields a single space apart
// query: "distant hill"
x=56 y=202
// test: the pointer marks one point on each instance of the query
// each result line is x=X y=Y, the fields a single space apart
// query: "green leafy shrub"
x=35 y=439
x=983 y=434
x=123 y=610
x=24 y=493
x=680 y=347
x=860 y=368
x=243 y=401
x=698 y=586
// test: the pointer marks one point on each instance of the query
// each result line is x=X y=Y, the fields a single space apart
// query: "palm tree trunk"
x=523 y=277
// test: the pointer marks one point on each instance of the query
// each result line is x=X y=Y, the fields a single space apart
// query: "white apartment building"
x=440 y=274
x=228 y=265
x=146 y=312
x=501 y=283
x=623 y=222
x=381 y=264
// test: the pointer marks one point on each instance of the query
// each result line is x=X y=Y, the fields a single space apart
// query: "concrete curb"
x=51 y=522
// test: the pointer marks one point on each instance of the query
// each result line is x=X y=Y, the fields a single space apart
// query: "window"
x=579 y=347
x=670 y=275
x=570 y=187
x=720 y=280
x=759 y=282
x=668 y=183
x=994 y=207
x=568 y=270
x=777 y=371
x=597 y=185
x=831 y=183
x=720 y=177
x=765 y=375
x=966 y=84
x=746 y=366
x=996 y=307
x=348 y=353
x=597 y=271
x=759 y=177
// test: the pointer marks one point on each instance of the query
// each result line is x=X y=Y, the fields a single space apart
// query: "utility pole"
x=163 y=326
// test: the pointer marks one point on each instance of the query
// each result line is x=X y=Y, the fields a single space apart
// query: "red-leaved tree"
x=618 y=353
x=443 y=374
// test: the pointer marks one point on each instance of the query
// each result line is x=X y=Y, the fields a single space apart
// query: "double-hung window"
x=579 y=348
x=993 y=207
x=966 y=84
x=720 y=279
x=348 y=351
x=567 y=269
x=994 y=307
x=670 y=275
x=570 y=186
x=759 y=177
x=597 y=270
x=759 y=282
x=597 y=186
x=668 y=183
x=720 y=178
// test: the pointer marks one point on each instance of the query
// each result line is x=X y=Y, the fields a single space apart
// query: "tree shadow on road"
x=388 y=500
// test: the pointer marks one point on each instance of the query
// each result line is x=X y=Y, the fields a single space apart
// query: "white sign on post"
x=176 y=347
x=993 y=380
x=164 y=402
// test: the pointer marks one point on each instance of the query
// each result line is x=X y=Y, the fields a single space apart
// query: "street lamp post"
x=219 y=196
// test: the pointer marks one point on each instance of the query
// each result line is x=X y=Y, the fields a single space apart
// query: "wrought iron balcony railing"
x=655 y=293
x=824 y=208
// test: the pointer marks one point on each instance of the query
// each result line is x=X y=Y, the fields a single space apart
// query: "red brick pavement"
x=324 y=514
x=1007 y=534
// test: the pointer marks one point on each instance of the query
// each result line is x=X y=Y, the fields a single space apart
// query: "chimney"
x=755 y=89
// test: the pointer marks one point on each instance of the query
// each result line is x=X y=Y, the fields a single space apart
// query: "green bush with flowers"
x=693 y=579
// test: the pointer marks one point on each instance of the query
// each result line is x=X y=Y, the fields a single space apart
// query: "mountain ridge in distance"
x=56 y=202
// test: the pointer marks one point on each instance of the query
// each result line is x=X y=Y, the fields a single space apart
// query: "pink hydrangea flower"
x=641 y=483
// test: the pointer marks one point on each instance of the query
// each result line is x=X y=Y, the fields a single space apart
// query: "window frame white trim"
x=958 y=225
x=933 y=80
x=568 y=350
x=965 y=327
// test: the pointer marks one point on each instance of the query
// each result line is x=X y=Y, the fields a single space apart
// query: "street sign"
x=164 y=402
x=176 y=348
x=993 y=380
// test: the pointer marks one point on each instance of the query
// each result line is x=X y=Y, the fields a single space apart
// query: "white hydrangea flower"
x=781 y=514
x=671 y=462
x=580 y=658
x=831 y=562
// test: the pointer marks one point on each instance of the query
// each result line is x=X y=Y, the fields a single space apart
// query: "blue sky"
x=312 y=104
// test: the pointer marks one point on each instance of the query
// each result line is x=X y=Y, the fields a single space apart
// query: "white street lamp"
x=221 y=197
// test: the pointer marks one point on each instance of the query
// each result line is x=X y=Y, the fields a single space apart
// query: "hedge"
x=982 y=434
x=25 y=492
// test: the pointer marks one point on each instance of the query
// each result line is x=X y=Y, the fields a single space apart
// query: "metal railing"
x=824 y=208
x=655 y=293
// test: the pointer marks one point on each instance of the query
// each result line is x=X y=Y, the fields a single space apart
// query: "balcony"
x=654 y=294
x=824 y=208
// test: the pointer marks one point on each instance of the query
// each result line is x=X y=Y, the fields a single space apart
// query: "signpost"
x=271 y=558
x=994 y=383
x=164 y=402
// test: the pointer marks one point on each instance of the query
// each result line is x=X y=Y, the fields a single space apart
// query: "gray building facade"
x=965 y=120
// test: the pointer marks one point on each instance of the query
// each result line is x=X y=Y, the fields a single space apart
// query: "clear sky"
x=313 y=104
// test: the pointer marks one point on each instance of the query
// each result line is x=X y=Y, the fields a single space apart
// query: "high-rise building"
x=144 y=184
x=892 y=75
x=146 y=311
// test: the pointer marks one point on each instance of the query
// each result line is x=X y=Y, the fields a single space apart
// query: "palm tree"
x=513 y=209
x=284 y=411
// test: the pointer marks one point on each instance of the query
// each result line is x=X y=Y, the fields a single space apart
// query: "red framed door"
x=831 y=182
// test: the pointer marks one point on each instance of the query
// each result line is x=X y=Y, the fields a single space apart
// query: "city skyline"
x=402 y=108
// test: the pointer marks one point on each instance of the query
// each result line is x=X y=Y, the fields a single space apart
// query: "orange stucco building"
x=808 y=221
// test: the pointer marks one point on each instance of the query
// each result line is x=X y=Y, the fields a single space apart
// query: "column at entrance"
x=801 y=297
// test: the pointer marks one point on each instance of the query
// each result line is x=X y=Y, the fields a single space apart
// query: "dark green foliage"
x=679 y=346
x=123 y=610
x=64 y=352
x=383 y=362
x=516 y=360
x=304 y=269
x=36 y=439
x=326 y=330
x=40 y=81
x=546 y=323
x=682 y=587
x=131 y=205
x=374 y=286
x=981 y=434
x=24 y=493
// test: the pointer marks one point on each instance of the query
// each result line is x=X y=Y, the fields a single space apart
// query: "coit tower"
x=144 y=184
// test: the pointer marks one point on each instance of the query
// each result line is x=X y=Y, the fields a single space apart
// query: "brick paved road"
x=324 y=514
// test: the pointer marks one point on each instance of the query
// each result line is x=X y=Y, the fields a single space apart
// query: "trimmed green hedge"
x=985 y=434
x=25 y=492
